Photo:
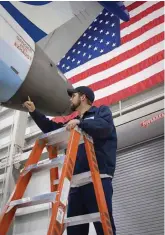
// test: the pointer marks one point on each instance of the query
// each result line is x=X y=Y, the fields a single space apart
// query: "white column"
x=17 y=139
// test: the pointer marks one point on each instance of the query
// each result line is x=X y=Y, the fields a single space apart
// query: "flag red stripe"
x=65 y=119
x=133 y=90
x=142 y=30
x=130 y=91
x=122 y=57
x=135 y=5
x=142 y=14
x=128 y=72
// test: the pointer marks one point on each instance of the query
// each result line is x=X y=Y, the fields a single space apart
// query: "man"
x=98 y=123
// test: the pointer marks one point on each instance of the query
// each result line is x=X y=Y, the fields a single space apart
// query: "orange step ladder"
x=55 y=141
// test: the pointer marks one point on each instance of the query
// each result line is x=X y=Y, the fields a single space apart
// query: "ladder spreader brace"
x=60 y=187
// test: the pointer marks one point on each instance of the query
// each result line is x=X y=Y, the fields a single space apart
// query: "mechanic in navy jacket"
x=98 y=123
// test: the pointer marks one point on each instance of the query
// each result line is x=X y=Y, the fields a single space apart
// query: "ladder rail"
x=59 y=207
x=7 y=217
x=52 y=150
x=98 y=187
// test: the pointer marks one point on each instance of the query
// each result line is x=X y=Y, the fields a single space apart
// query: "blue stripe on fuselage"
x=34 y=32
x=36 y=3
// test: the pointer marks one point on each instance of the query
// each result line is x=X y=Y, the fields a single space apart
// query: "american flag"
x=119 y=59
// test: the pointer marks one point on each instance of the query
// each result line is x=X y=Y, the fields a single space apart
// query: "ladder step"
x=82 y=219
x=78 y=180
x=58 y=138
x=31 y=201
x=45 y=165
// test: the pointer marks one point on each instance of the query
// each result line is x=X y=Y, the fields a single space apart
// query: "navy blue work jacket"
x=98 y=123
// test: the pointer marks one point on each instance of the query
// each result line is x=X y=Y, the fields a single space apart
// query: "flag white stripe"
x=118 y=51
x=130 y=81
x=142 y=22
x=121 y=66
x=127 y=3
x=142 y=8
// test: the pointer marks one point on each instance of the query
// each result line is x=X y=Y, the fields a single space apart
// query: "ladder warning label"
x=60 y=215
x=65 y=191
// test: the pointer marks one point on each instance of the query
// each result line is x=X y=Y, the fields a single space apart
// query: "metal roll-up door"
x=139 y=188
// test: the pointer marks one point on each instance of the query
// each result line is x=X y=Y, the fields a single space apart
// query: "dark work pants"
x=82 y=201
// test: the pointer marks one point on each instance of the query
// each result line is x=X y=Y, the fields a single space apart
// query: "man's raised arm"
x=40 y=119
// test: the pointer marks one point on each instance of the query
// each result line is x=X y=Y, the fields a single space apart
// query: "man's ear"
x=83 y=97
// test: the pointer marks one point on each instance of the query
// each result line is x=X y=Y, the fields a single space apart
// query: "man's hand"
x=29 y=105
x=71 y=124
